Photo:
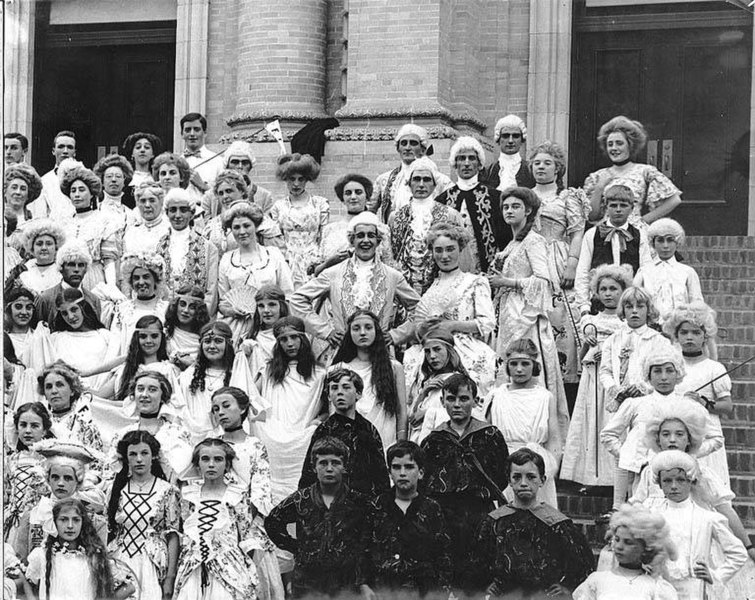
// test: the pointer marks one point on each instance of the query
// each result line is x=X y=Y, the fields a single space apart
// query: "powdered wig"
x=85 y=176
x=648 y=527
x=239 y=148
x=466 y=143
x=369 y=219
x=621 y=274
x=114 y=160
x=660 y=355
x=692 y=414
x=176 y=197
x=674 y=459
x=68 y=164
x=297 y=164
x=38 y=227
x=169 y=158
x=360 y=179
x=26 y=173
x=666 y=226
x=65 y=454
x=242 y=209
x=633 y=131
x=422 y=164
x=152 y=262
x=149 y=187
x=67 y=372
x=509 y=121
x=449 y=230
x=640 y=296
x=412 y=129
x=232 y=177
x=698 y=314
x=73 y=251
x=557 y=153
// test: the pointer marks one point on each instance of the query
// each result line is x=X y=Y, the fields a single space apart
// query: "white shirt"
x=208 y=171
x=178 y=248
x=52 y=202
x=508 y=167
x=670 y=283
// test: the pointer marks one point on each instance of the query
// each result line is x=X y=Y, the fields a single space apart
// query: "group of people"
x=214 y=393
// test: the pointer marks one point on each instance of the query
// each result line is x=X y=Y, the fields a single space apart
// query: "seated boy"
x=365 y=470
x=528 y=547
x=408 y=546
x=612 y=242
x=693 y=531
x=465 y=471
x=329 y=519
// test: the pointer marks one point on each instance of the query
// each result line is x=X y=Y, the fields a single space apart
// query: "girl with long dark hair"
x=365 y=352
x=271 y=306
x=184 y=319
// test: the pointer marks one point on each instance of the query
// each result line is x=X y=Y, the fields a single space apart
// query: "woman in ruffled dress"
x=42 y=238
x=459 y=302
x=523 y=292
x=622 y=140
x=561 y=221
x=300 y=215
x=244 y=270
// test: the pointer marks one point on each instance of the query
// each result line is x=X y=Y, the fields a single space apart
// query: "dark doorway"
x=102 y=84
x=687 y=78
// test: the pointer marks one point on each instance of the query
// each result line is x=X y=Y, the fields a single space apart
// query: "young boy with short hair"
x=329 y=519
x=465 y=471
x=613 y=241
x=529 y=547
x=408 y=546
x=365 y=470
x=694 y=530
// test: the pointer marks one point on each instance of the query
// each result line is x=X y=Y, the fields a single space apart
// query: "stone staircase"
x=726 y=266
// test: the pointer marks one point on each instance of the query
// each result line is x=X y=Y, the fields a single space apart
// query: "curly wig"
x=666 y=226
x=634 y=132
x=557 y=153
x=297 y=164
x=449 y=230
x=239 y=148
x=621 y=274
x=674 y=459
x=26 y=173
x=466 y=143
x=114 y=160
x=422 y=164
x=87 y=177
x=153 y=263
x=365 y=182
x=648 y=527
x=664 y=353
x=698 y=314
x=169 y=158
x=509 y=121
x=38 y=227
x=692 y=414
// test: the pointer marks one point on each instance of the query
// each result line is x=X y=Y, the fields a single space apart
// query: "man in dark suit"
x=73 y=260
x=510 y=170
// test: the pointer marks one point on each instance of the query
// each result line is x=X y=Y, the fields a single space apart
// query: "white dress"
x=85 y=350
x=287 y=431
x=624 y=584
x=698 y=373
x=582 y=443
x=39 y=280
x=261 y=350
x=526 y=418
x=183 y=342
x=128 y=312
x=71 y=577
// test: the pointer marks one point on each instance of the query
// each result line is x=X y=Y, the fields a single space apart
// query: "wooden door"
x=690 y=87
x=103 y=92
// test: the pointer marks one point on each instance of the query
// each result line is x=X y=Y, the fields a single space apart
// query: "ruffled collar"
x=468 y=184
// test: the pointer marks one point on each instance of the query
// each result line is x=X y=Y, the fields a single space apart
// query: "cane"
x=251 y=135
x=597 y=441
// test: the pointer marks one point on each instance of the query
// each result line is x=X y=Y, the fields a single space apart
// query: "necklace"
x=140 y=486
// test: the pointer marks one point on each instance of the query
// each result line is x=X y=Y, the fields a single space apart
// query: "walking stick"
x=597 y=440
x=734 y=368
x=224 y=149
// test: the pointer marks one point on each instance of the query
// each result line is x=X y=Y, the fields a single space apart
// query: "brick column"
x=19 y=66
x=192 y=22
x=549 y=71
x=281 y=68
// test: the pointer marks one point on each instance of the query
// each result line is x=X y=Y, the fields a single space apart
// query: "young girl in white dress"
x=219 y=531
x=184 y=319
x=74 y=565
x=383 y=401
x=641 y=544
x=216 y=366
x=693 y=328
x=258 y=347
x=586 y=460
x=144 y=516
x=291 y=386
x=524 y=412
x=20 y=322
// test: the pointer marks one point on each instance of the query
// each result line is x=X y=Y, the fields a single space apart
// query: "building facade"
x=106 y=68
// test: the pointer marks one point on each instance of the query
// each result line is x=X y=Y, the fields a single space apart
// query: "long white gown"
x=286 y=433
x=526 y=418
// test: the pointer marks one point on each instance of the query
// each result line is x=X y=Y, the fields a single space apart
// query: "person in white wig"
x=510 y=170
